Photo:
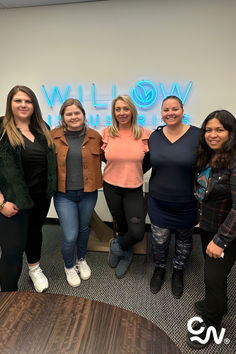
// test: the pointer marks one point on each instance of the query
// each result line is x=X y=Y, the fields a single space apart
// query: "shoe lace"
x=39 y=273
x=72 y=273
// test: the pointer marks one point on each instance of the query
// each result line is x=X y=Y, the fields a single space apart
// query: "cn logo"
x=211 y=329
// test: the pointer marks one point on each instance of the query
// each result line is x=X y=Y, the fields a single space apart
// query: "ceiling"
x=9 y=4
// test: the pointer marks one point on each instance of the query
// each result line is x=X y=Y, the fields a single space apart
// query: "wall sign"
x=146 y=95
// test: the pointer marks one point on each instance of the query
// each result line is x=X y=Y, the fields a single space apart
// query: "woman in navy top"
x=172 y=206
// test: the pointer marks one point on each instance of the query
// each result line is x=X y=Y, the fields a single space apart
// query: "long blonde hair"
x=36 y=121
x=114 y=128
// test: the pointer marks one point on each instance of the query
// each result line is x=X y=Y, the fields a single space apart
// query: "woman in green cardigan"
x=27 y=183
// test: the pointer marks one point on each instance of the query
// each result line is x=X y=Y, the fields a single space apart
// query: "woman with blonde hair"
x=124 y=143
x=27 y=183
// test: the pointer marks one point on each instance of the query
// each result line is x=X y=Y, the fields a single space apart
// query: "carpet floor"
x=133 y=293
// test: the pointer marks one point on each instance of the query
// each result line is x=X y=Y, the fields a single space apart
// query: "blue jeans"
x=74 y=209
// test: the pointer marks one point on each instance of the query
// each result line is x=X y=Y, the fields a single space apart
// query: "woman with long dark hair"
x=27 y=183
x=216 y=192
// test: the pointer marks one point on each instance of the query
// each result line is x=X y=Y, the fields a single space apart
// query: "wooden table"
x=48 y=323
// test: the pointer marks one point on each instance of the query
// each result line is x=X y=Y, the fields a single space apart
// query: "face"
x=123 y=113
x=215 y=134
x=172 y=112
x=22 y=107
x=73 y=117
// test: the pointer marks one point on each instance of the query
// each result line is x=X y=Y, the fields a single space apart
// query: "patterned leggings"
x=160 y=246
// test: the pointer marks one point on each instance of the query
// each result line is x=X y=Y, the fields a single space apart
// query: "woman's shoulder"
x=157 y=131
x=93 y=133
x=105 y=134
x=146 y=133
x=194 y=128
x=57 y=132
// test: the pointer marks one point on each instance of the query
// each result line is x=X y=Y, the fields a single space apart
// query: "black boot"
x=177 y=283
x=157 y=279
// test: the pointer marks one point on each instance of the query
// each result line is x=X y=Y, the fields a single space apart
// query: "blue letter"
x=91 y=120
x=55 y=90
x=176 y=87
x=94 y=100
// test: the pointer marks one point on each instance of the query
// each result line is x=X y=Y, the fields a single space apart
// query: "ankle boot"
x=124 y=263
x=115 y=253
x=157 y=279
x=177 y=284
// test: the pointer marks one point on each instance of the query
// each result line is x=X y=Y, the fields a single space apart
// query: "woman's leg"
x=37 y=217
x=86 y=205
x=114 y=199
x=206 y=238
x=133 y=206
x=183 y=248
x=216 y=272
x=66 y=206
x=67 y=210
x=13 y=236
x=160 y=245
x=160 y=249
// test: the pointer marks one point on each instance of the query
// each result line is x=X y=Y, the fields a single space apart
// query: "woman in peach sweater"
x=125 y=144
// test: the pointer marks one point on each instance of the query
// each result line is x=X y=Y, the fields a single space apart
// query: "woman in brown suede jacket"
x=78 y=151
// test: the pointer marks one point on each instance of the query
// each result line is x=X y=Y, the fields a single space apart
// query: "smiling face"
x=73 y=117
x=215 y=134
x=172 y=112
x=123 y=114
x=22 y=107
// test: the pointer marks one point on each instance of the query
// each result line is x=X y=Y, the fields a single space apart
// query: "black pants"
x=22 y=232
x=126 y=206
x=216 y=272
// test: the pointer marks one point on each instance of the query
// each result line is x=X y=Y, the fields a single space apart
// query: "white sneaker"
x=39 y=279
x=72 y=277
x=83 y=269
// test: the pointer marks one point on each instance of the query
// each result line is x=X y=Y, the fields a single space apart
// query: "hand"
x=10 y=209
x=213 y=250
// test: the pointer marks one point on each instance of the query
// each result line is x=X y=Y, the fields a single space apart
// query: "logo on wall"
x=144 y=94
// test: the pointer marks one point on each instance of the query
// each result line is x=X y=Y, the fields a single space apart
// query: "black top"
x=34 y=163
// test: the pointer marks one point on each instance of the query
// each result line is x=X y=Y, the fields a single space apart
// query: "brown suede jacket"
x=91 y=156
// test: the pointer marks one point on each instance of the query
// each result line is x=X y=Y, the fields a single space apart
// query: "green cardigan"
x=12 y=181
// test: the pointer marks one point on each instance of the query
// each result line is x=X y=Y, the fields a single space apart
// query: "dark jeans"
x=216 y=272
x=127 y=209
x=22 y=232
x=160 y=246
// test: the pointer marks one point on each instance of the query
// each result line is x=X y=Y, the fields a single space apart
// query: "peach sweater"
x=124 y=157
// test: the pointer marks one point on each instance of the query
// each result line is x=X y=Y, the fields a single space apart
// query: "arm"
x=227 y=230
x=8 y=209
x=146 y=162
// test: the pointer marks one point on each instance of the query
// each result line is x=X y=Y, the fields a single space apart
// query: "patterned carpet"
x=132 y=292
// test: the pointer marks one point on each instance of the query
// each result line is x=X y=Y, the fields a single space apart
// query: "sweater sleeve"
x=227 y=230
